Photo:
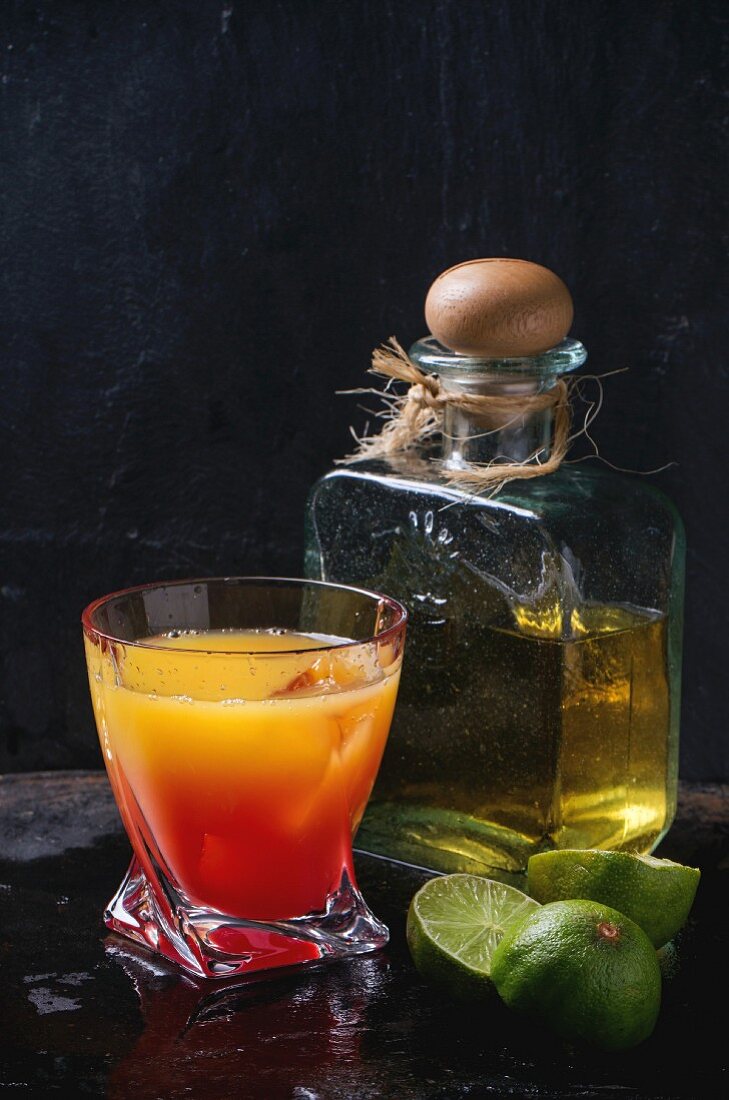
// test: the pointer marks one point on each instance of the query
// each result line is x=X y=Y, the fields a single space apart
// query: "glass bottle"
x=539 y=704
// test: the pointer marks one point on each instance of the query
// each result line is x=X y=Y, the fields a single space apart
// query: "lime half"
x=655 y=893
x=454 y=925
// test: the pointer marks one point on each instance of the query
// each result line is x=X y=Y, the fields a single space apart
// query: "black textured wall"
x=212 y=211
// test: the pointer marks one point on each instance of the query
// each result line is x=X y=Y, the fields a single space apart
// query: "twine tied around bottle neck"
x=415 y=416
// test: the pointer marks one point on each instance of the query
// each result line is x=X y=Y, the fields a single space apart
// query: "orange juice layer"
x=244 y=769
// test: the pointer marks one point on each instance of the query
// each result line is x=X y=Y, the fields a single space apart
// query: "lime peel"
x=582 y=969
x=655 y=893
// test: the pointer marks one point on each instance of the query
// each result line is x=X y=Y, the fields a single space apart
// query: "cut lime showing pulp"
x=655 y=893
x=454 y=924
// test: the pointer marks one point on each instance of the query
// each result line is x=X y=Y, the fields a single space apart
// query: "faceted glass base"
x=210 y=944
x=446 y=841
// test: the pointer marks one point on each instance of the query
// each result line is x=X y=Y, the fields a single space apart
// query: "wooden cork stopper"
x=499 y=308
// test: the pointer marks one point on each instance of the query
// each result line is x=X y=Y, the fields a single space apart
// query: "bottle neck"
x=516 y=425
x=513 y=432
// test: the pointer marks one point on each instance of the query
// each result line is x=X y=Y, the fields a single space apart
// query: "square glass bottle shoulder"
x=575 y=536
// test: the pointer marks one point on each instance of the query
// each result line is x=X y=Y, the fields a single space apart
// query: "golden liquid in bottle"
x=511 y=741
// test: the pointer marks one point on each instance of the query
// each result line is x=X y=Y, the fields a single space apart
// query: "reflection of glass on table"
x=249 y=1037
x=242 y=723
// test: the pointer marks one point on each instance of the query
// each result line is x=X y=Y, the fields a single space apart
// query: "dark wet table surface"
x=83 y=1013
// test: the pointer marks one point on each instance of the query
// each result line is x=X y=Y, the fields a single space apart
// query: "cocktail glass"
x=242 y=722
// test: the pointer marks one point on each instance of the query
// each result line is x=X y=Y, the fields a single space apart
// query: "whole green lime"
x=582 y=969
x=656 y=893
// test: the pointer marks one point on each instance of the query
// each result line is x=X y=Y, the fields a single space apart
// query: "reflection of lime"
x=656 y=893
x=454 y=923
x=582 y=969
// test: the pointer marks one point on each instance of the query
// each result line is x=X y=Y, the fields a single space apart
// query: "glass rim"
x=301 y=582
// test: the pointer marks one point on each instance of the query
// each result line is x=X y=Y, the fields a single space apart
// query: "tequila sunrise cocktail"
x=242 y=724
